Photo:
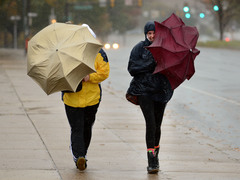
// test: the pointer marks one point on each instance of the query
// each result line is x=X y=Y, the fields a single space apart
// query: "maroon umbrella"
x=174 y=49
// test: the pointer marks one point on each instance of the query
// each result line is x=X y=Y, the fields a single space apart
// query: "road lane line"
x=212 y=95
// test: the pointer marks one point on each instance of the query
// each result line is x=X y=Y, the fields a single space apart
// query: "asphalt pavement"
x=35 y=137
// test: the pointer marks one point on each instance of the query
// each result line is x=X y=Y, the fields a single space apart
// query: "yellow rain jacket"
x=91 y=92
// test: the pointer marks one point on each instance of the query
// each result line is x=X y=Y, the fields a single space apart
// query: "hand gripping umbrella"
x=174 y=49
x=60 y=56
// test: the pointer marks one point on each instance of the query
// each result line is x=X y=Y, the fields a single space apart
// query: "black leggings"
x=81 y=121
x=153 y=113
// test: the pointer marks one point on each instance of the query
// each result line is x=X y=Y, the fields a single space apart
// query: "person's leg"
x=89 y=119
x=147 y=107
x=159 y=112
x=76 y=120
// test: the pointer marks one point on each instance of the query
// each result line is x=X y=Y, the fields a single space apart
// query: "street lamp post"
x=31 y=15
x=15 y=19
x=52 y=17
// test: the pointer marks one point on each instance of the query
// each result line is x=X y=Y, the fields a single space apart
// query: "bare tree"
x=225 y=11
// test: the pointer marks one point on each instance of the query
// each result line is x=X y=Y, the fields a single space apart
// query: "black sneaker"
x=81 y=163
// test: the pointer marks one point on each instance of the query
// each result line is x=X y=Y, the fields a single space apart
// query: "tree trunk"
x=220 y=19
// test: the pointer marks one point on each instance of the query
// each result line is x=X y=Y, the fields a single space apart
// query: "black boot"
x=152 y=166
x=156 y=154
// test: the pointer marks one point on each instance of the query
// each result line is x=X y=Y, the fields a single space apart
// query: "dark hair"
x=150 y=26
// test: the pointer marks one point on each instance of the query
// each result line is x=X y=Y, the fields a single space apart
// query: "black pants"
x=153 y=113
x=81 y=121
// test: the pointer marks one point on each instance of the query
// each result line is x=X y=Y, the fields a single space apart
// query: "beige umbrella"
x=61 y=55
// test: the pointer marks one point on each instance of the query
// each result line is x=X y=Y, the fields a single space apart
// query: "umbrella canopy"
x=174 y=49
x=60 y=56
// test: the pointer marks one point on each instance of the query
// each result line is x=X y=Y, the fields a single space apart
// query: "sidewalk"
x=35 y=137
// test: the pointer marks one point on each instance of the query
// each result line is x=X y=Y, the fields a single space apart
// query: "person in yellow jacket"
x=81 y=108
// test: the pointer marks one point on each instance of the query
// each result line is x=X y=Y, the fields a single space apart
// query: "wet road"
x=209 y=103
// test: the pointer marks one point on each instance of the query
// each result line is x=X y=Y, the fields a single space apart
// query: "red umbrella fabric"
x=174 y=49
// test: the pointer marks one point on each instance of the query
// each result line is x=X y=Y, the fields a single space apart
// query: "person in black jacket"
x=150 y=91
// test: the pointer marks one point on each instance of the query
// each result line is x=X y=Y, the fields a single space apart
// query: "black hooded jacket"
x=141 y=66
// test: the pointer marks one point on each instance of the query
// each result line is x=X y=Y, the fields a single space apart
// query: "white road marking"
x=212 y=95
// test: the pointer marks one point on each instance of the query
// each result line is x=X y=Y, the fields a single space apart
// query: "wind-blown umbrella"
x=174 y=49
x=60 y=56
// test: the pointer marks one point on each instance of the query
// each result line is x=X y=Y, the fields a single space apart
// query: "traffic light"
x=186 y=8
x=216 y=8
x=187 y=15
x=112 y=3
x=202 y=15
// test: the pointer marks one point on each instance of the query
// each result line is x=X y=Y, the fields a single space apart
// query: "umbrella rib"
x=55 y=24
x=171 y=30
x=73 y=59
x=80 y=43
x=73 y=34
